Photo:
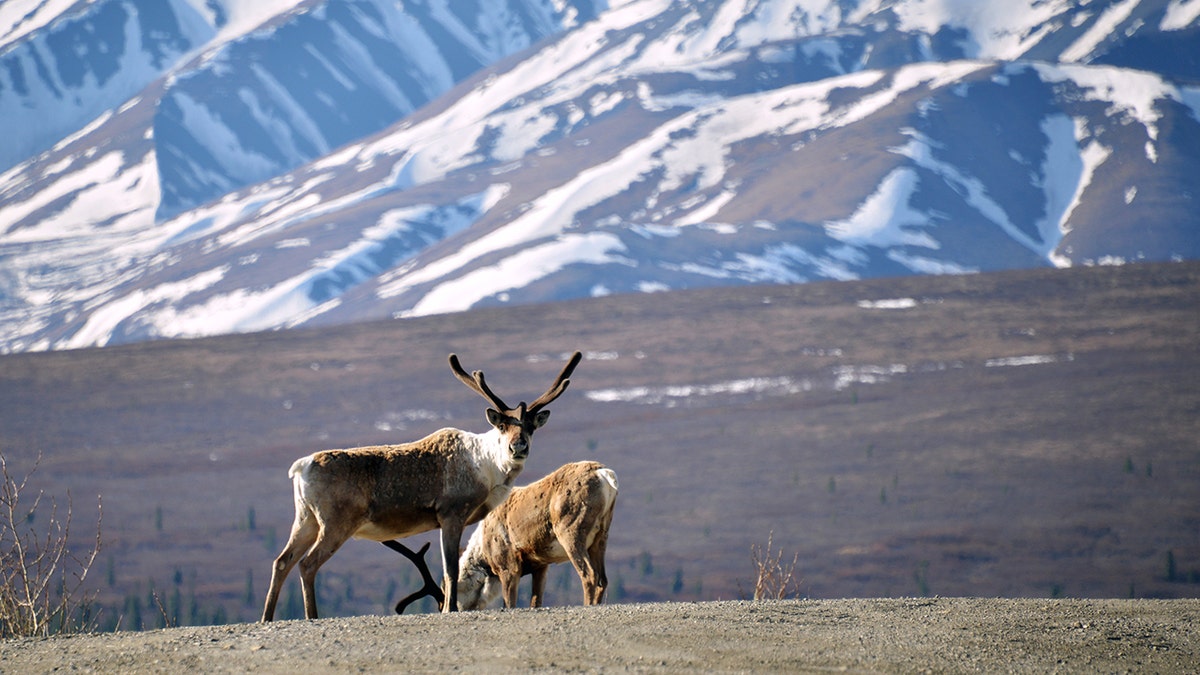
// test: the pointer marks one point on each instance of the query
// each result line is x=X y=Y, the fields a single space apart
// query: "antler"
x=418 y=558
x=559 y=386
x=477 y=384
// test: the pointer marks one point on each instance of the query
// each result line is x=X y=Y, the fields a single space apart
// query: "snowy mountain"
x=234 y=169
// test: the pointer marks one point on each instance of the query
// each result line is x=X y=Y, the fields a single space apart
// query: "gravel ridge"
x=912 y=635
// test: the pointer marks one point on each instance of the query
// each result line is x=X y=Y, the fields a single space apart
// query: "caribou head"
x=516 y=425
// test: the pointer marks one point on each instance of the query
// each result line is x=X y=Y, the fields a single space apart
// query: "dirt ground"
x=937 y=635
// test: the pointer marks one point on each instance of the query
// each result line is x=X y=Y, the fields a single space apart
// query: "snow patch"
x=1130 y=93
x=1180 y=14
x=516 y=271
x=1101 y=29
x=399 y=421
x=103 y=321
x=1031 y=360
x=891 y=303
x=885 y=218
x=672 y=395
x=211 y=131
x=996 y=30
x=1066 y=175
x=845 y=376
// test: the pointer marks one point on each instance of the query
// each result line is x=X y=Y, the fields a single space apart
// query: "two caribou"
x=564 y=516
x=447 y=480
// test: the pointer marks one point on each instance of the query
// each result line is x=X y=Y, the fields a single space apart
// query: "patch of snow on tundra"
x=1030 y=360
x=844 y=376
x=758 y=386
x=891 y=303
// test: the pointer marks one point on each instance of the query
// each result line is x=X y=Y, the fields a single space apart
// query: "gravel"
x=914 y=635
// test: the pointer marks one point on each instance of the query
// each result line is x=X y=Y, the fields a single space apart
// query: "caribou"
x=447 y=480
x=564 y=516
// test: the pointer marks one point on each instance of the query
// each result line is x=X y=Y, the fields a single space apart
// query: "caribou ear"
x=495 y=417
x=540 y=419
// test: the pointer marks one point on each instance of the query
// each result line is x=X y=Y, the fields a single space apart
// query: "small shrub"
x=41 y=577
x=774 y=580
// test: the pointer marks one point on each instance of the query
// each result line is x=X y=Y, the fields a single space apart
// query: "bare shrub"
x=775 y=580
x=41 y=577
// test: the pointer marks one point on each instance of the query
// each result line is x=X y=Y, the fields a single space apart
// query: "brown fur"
x=564 y=516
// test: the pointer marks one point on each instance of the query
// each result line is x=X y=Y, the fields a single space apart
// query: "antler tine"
x=477 y=384
x=431 y=587
x=491 y=395
x=559 y=386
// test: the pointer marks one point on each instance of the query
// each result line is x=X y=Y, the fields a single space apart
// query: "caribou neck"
x=492 y=456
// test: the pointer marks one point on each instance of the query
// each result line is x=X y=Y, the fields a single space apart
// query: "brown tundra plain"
x=1026 y=434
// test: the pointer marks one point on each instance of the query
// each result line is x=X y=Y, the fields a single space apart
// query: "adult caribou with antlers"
x=447 y=480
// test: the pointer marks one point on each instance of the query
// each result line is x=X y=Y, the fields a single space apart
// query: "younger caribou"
x=564 y=516
x=447 y=480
